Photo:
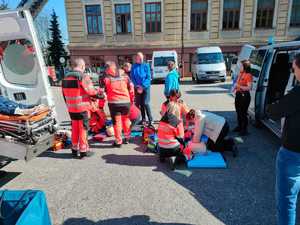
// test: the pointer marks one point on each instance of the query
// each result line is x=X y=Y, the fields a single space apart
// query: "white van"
x=160 y=63
x=272 y=79
x=208 y=64
x=244 y=55
x=23 y=78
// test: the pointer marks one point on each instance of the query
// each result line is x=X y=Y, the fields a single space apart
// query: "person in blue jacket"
x=172 y=79
x=141 y=78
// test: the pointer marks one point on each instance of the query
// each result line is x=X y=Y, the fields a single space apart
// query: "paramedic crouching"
x=288 y=156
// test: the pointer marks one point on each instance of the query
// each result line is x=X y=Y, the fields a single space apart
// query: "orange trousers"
x=79 y=136
x=122 y=123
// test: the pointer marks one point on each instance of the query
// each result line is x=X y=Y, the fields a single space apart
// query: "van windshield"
x=163 y=60
x=210 y=58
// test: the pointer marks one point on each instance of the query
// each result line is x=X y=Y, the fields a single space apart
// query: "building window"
x=199 y=10
x=295 y=17
x=153 y=17
x=93 y=19
x=123 y=18
x=231 y=14
x=265 y=13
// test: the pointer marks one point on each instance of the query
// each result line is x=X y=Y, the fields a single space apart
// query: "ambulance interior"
x=281 y=79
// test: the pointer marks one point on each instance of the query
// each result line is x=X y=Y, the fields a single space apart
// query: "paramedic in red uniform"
x=77 y=89
x=120 y=95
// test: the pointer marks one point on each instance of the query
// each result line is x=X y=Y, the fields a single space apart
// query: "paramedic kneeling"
x=288 y=156
x=77 y=89
x=170 y=139
x=120 y=95
x=242 y=97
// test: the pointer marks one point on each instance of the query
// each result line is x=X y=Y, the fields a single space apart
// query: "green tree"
x=55 y=44
x=3 y=5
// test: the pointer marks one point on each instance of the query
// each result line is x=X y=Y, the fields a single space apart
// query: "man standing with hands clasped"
x=288 y=156
x=141 y=78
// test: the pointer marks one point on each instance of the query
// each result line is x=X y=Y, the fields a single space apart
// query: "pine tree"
x=56 y=46
x=3 y=5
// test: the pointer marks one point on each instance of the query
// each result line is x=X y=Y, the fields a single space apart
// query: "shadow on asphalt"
x=56 y=155
x=241 y=194
x=134 y=220
x=206 y=92
x=6 y=177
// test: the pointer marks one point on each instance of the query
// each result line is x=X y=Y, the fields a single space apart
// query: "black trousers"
x=142 y=101
x=242 y=102
x=118 y=109
x=170 y=152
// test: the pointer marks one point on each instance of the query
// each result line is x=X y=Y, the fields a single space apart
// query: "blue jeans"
x=287 y=185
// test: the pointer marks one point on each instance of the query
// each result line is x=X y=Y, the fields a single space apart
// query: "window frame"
x=240 y=12
x=93 y=17
x=93 y=2
x=155 y=13
x=128 y=17
x=291 y=14
x=274 y=16
x=201 y=12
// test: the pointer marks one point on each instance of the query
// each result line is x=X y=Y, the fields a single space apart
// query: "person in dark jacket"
x=141 y=78
x=288 y=156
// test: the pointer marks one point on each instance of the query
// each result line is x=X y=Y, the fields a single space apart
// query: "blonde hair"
x=174 y=109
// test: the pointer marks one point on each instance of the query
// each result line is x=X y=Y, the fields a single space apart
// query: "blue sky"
x=58 y=6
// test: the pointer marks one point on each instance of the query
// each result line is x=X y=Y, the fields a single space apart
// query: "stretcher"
x=24 y=137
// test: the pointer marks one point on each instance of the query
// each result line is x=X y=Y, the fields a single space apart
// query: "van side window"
x=256 y=59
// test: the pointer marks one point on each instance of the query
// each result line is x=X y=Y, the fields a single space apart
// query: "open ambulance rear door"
x=23 y=76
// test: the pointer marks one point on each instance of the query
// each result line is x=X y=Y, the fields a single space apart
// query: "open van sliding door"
x=280 y=80
x=23 y=74
x=258 y=68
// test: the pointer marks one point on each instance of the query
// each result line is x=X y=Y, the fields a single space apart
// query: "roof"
x=211 y=49
x=282 y=45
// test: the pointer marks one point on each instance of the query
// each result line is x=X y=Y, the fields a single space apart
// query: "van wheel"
x=193 y=78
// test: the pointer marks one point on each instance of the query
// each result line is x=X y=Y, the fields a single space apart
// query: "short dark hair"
x=297 y=60
x=175 y=93
x=247 y=66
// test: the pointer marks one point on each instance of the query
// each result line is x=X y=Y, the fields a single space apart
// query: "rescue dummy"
x=120 y=96
x=78 y=89
x=170 y=136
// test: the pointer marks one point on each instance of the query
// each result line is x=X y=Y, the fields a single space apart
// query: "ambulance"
x=24 y=79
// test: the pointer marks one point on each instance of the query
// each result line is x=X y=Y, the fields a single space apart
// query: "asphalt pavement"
x=128 y=186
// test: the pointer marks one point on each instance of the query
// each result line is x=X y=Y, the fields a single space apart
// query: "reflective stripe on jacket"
x=167 y=135
x=119 y=89
x=77 y=89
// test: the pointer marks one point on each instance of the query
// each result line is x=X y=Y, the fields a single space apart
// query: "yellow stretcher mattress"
x=31 y=118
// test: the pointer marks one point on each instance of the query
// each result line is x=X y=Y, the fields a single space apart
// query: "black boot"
x=172 y=162
x=74 y=153
x=86 y=154
x=115 y=145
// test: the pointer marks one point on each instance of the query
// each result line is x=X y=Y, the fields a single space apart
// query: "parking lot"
x=129 y=186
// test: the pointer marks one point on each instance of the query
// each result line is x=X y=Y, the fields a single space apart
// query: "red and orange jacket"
x=77 y=89
x=119 y=89
x=169 y=132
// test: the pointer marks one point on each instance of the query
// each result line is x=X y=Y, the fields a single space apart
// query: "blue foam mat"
x=136 y=134
x=209 y=160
